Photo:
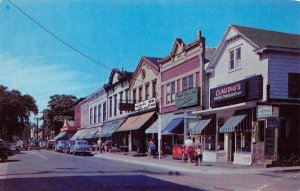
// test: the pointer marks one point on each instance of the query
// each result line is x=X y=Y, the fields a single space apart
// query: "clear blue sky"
x=116 y=34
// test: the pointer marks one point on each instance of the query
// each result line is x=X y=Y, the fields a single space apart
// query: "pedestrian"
x=151 y=148
x=189 y=149
x=198 y=155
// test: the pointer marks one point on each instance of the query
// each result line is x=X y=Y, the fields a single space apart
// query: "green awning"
x=165 y=120
x=109 y=128
x=231 y=123
x=91 y=132
x=200 y=127
x=60 y=136
x=77 y=134
x=82 y=135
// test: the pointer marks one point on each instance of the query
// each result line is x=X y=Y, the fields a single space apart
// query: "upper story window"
x=104 y=111
x=140 y=93
x=134 y=95
x=121 y=100
x=168 y=94
x=91 y=115
x=115 y=105
x=95 y=114
x=126 y=96
x=147 y=91
x=191 y=81
x=184 y=84
x=110 y=106
x=172 y=92
x=235 y=58
x=154 y=89
x=99 y=113
x=294 y=85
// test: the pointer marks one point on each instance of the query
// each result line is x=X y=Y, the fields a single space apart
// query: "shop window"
x=294 y=85
x=283 y=133
x=261 y=131
x=243 y=142
x=220 y=141
x=95 y=114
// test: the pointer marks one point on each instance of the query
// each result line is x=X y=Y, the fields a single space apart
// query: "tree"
x=15 y=110
x=60 y=107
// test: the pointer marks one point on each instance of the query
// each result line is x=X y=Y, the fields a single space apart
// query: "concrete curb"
x=200 y=169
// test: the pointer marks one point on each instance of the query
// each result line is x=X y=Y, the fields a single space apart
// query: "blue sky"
x=116 y=34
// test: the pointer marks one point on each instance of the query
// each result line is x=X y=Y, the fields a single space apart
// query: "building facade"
x=252 y=86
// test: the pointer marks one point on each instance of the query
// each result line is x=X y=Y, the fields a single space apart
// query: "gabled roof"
x=259 y=39
x=123 y=76
x=209 y=52
x=266 y=38
x=153 y=62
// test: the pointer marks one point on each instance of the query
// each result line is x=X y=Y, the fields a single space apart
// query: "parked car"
x=80 y=147
x=33 y=145
x=68 y=145
x=59 y=146
x=5 y=150
x=43 y=144
x=50 y=144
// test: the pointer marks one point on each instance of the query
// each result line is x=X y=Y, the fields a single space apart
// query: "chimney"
x=198 y=35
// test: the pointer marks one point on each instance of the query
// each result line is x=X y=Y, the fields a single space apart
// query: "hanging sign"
x=148 y=104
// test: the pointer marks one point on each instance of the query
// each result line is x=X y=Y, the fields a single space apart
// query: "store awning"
x=77 y=134
x=231 y=123
x=136 y=122
x=200 y=127
x=165 y=120
x=169 y=129
x=109 y=128
x=91 y=132
x=82 y=135
x=60 y=136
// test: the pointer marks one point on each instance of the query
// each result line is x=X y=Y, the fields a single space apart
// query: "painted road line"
x=35 y=153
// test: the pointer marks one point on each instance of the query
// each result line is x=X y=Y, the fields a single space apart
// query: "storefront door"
x=231 y=146
x=270 y=143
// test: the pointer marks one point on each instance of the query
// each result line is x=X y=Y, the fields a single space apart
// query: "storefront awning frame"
x=231 y=123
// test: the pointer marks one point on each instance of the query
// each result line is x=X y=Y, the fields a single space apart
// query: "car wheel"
x=4 y=157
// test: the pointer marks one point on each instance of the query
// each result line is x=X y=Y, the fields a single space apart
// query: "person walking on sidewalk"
x=189 y=149
x=151 y=148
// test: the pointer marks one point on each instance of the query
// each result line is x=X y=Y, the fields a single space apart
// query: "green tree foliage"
x=15 y=110
x=60 y=107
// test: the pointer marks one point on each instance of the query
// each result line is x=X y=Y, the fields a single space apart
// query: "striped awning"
x=165 y=120
x=109 y=128
x=170 y=128
x=77 y=134
x=60 y=136
x=231 y=123
x=200 y=126
x=91 y=132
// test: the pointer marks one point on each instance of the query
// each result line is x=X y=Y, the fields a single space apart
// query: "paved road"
x=47 y=170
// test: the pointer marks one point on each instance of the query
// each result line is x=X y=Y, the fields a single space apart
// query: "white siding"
x=250 y=65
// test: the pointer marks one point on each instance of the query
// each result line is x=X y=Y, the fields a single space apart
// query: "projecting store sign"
x=228 y=92
x=148 y=104
x=187 y=98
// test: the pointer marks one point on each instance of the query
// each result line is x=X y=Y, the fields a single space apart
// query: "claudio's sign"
x=229 y=91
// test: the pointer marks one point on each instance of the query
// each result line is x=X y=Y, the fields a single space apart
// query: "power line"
x=57 y=37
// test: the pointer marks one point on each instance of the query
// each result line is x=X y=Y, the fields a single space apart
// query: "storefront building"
x=182 y=83
x=117 y=90
x=254 y=85
x=143 y=93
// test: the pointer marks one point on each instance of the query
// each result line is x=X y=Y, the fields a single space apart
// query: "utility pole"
x=37 y=129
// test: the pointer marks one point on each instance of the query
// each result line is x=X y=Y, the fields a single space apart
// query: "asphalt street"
x=48 y=170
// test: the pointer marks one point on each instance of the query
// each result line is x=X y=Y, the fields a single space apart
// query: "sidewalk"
x=181 y=166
